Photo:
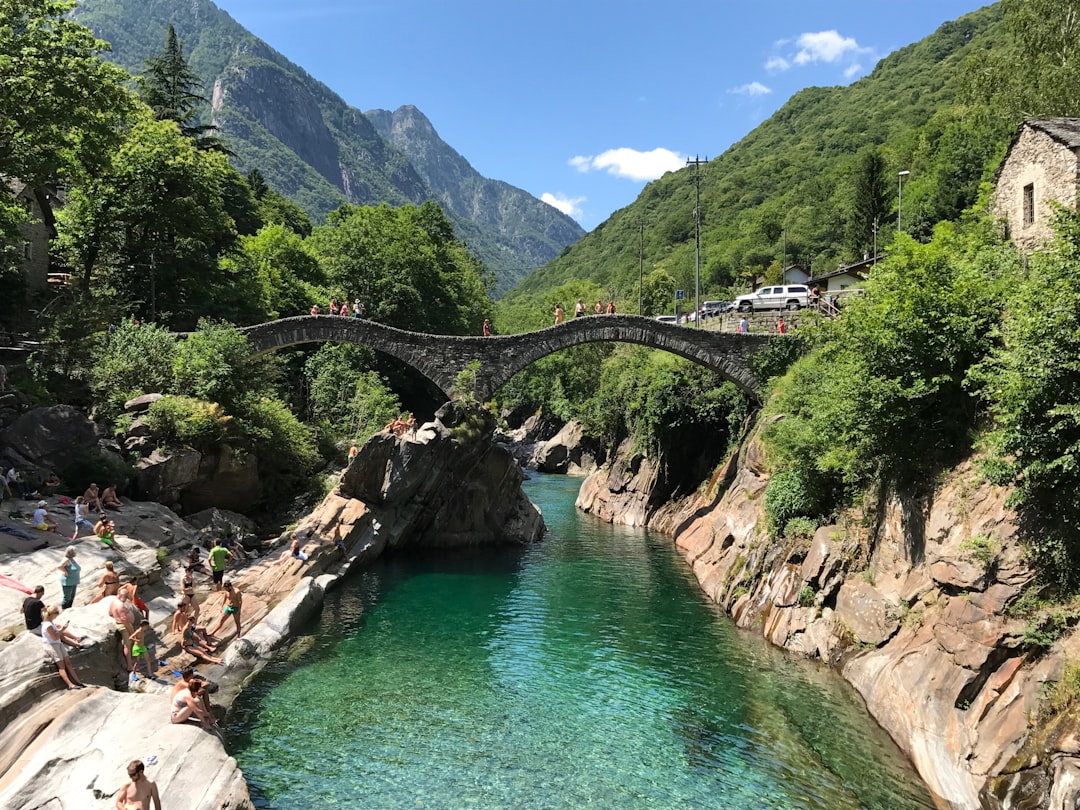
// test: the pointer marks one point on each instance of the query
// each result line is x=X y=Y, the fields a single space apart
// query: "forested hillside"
x=789 y=187
x=313 y=147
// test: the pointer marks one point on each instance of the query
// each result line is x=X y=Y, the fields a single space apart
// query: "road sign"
x=680 y=295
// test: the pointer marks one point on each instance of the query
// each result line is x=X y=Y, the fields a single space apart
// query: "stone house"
x=34 y=251
x=1041 y=165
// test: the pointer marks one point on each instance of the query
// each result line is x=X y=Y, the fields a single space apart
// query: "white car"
x=785 y=296
x=668 y=319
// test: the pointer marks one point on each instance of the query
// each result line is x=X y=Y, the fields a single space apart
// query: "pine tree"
x=869 y=200
x=172 y=90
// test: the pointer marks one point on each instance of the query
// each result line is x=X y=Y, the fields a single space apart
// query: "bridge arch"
x=440 y=358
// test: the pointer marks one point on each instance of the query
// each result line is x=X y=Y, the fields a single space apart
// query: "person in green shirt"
x=219 y=556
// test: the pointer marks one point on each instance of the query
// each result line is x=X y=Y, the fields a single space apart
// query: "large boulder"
x=567 y=452
x=43 y=440
x=448 y=485
x=165 y=474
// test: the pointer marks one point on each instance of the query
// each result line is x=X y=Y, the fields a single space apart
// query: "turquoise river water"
x=587 y=671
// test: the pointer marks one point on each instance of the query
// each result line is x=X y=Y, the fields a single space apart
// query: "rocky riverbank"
x=447 y=485
x=908 y=598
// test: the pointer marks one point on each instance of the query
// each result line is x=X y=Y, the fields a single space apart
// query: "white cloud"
x=852 y=71
x=823 y=46
x=571 y=206
x=631 y=163
x=751 y=89
x=777 y=64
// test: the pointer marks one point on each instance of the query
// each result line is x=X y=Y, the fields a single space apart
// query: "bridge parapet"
x=441 y=358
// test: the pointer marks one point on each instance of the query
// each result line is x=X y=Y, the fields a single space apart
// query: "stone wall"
x=1051 y=168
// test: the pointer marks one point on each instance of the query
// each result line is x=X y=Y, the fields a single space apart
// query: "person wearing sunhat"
x=42 y=521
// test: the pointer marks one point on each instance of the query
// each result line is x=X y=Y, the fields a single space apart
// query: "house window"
x=1029 y=204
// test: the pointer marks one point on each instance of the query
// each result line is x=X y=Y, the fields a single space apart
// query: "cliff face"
x=908 y=600
x=318 y=150
x=519 y=223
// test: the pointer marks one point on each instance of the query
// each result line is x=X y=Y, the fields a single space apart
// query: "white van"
x=786 y=296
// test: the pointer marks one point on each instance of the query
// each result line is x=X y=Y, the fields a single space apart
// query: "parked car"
x=710 y=309
x=668 y=319
x=786 y=296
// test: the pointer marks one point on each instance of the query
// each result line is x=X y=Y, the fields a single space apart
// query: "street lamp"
x=900 y=198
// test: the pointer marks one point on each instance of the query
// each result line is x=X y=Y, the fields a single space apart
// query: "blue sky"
x=582 y=102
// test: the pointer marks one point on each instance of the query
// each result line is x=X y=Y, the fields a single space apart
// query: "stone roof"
x=1064 y=130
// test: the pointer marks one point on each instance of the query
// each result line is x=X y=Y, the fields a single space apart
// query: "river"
x=585 y=671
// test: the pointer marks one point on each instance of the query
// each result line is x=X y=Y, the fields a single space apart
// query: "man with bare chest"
x=139 y=792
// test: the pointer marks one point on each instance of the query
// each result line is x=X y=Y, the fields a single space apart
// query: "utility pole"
x=640 y=263
x=697 y=236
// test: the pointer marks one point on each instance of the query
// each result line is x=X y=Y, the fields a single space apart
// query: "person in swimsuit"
x=187 y=677
x=120 y=613
x=109 y=583
x=233 y=600
x=138 y=650
x=188 y=600
x=186 y=703
x=105 y=531
x=339 y=544
x=193 y=645
x=140 y=792
x=109 y=498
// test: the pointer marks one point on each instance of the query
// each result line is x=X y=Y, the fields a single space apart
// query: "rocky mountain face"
x=519 y=223
x=321 y=152
x=909 y=600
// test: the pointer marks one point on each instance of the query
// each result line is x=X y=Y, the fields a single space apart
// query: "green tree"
x=134 y=359
x=275 y=209
x=405 y=266
x=60 y=112
x=214 y=363
x=1031 y=383
x=658 y=293
x=286 y=274
x=170 y=88
x=149 y=230
x=870 y=202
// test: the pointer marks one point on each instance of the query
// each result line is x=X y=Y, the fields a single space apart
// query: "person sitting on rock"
x=293 y=552
x=186 y=704
x=109 y=499
x=41 y=520
x=109 y=583
x=105 y=531
x=49 y=484
x=194 y=643
x=188 y=676
x=93 y=500
x=179 y=619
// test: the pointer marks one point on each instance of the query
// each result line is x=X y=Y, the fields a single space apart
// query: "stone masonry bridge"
x=441 y=358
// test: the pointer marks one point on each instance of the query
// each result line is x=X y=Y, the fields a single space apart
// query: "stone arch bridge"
x=441 y=358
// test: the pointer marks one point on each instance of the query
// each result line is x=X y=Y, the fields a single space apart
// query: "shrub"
x=790 y=494
x=135 y=359
x=188 y=422
x=800 y=528
x=88 y=465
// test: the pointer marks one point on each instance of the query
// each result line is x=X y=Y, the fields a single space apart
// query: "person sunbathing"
x=93 y=500
x=109 y=499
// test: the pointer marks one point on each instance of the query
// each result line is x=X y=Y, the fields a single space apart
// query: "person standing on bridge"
x=333 y=306
x=314 y=309
x=579 y=308
x=357 y=309
x=344 y=311
x=611 y=307
x=558 y=314
x=487 y=328
x=599 y=308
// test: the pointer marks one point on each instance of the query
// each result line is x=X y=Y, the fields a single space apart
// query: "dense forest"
x=160 y=232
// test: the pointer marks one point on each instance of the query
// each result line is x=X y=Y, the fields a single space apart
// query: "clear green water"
x=585 y=672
